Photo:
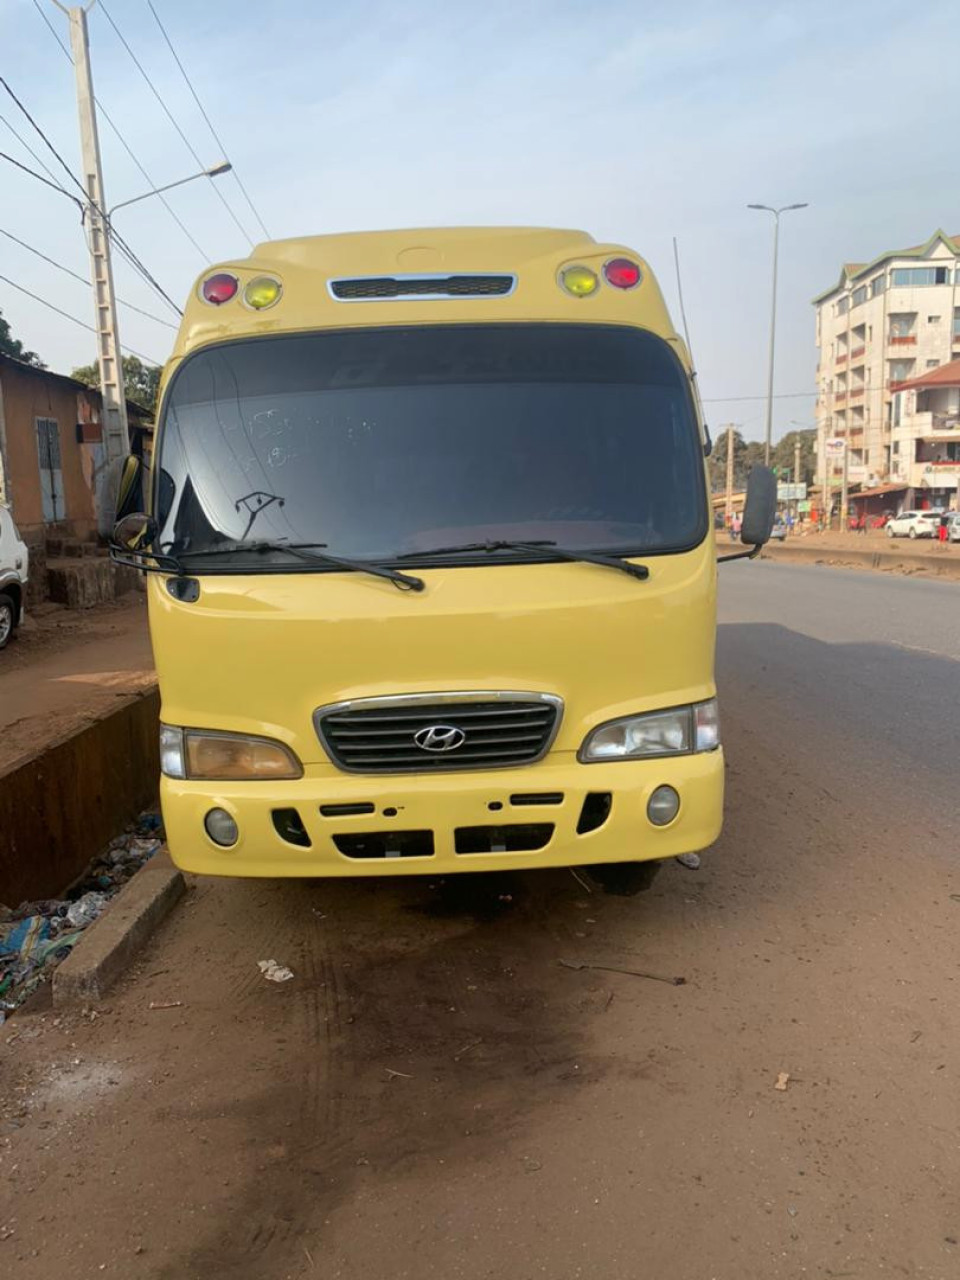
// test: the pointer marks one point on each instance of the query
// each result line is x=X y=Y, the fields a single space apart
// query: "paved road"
x=434 y=1096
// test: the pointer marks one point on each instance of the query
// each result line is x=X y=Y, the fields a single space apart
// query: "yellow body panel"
x=259 y=654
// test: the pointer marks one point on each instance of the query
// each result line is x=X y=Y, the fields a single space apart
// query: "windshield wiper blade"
x=309 y=551
x=544 y=547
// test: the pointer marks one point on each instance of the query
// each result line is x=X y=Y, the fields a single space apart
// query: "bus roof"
x=505 y=274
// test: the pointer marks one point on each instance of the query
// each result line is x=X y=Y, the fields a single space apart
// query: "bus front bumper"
x=558 y=813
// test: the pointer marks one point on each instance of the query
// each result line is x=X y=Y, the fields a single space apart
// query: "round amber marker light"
x=580 y=281
x=262 y=292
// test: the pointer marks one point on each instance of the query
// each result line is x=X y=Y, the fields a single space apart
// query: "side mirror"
x=135 y=531
x=760 y=507
x=130 y=487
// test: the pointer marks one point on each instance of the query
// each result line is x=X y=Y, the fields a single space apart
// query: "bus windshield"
x=386 y=442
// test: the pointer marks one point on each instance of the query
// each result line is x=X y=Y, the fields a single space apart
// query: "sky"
x=634 y=121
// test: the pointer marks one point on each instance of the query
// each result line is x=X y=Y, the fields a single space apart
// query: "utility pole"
x=116 y=435
x=728 y=504
x=843 y=491
x=796 y=477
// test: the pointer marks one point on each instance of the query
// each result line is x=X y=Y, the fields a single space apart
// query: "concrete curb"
x=109 y=946
x=906 y=562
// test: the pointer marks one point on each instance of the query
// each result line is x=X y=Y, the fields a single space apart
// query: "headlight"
x=224 y=757
x=679 y=731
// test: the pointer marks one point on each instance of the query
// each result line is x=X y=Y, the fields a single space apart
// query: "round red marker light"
x=622 y=273
x=219 y=289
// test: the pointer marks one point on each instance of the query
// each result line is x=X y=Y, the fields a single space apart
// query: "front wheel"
x=912 y=534
x=625 y=879
x=8 y=620
x=890 y=533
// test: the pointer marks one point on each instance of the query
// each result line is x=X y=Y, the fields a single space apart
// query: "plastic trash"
x=689 y=860
x=86 y=909
x=274 y=972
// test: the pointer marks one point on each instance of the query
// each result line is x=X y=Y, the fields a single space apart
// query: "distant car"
x=779 y=530
x=14 y=565
x=914 y=524
x=953 y=526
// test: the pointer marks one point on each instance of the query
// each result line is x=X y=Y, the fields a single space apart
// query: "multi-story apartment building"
x=885 y=323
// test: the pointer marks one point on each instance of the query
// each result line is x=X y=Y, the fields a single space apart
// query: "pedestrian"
x=862 y=522
x=735 y=526
x=789 y=522
x=943 y=530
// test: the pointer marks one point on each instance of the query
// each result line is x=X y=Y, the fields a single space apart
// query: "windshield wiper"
x=309 y=551
x=544 y=547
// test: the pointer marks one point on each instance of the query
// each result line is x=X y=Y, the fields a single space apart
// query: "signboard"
x=803 y=508
x=834 y=446
x=791 y=492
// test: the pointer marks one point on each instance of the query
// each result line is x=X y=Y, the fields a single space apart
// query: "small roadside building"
x=51 y=450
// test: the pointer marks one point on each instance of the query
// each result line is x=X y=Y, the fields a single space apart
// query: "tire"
x=913 y=532
x=625 y=879
x=890 y=533
x=8 y=620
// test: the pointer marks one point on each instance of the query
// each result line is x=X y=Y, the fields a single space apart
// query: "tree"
x=141 y=381
x=782 y=455
x=11 y=346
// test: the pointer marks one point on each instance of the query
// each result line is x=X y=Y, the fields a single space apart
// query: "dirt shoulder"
x=872 y=550
x=65 y=667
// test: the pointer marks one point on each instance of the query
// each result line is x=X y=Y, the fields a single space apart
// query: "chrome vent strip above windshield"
x=426 y=288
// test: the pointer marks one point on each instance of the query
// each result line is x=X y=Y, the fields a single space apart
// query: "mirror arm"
x=741 y=555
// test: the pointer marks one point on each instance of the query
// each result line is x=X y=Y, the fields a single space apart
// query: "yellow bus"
x=432 y=563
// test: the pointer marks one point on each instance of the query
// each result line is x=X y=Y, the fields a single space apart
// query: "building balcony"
x=839 y=397
x=857 y=352
x=902 y=339
x=841 y=357
x=933 y=425
x=856 y=393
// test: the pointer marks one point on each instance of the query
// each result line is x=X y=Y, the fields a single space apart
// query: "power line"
x=789 y=395
x=27 y=147
x=39 y=177
x=52 y=149
x=169 y=114
x=83 y=279
x=67 y=316
x=123 y=142
x=121 y=244
x=216 y=137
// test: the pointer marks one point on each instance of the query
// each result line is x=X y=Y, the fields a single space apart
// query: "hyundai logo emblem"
x=439 y=737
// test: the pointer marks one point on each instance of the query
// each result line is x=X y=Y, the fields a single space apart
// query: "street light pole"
x=773 y=314
x=223 y=167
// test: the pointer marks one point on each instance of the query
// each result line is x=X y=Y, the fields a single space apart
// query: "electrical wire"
x=39 y=177
x=170 y=116
x=118 y=240
x=216 y=137
x=83 y=279
x=123 y=142
x=67 y=316
x=27 y=147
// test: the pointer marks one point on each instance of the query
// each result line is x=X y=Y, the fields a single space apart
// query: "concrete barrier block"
x=107 y=948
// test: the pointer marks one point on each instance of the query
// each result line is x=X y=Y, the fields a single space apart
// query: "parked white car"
x=14 y=568
x=914 y=524
x=953 y=526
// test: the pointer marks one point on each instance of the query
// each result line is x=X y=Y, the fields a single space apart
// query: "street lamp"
x=773 y=313
x=223 y=167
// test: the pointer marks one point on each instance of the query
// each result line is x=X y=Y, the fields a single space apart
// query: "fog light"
x=222 y=829
x=580 y=281
x=663 y=806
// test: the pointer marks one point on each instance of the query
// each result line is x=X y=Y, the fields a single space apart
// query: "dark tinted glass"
x=379 y=442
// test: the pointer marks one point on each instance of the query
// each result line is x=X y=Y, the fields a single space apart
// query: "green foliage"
x=749 y=453
x=141 y=381
x=11 y=346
